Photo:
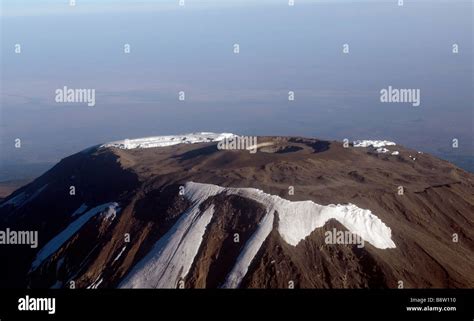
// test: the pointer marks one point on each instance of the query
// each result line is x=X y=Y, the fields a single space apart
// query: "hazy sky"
x=190 y=49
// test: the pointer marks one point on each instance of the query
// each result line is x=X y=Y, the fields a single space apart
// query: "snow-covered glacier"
x=169 y=140
x=173 y=255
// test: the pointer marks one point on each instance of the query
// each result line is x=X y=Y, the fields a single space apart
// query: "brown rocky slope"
x=431 y=223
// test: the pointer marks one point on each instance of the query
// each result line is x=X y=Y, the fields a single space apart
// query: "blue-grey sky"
x=190 y=49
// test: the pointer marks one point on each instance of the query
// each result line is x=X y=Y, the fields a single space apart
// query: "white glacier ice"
x=378 y=145
x=372 y=143
x=96 y=283
x=172 y=256
x=248 y=253
x=296 y=221
x=162 y=141
x=110 y=213
x=305 y=212
x=56 y=242
x=382 y=150
x=120 y=253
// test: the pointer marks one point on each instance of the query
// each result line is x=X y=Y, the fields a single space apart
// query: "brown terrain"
x=437 y=202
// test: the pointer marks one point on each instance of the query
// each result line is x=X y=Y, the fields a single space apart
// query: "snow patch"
x=372 y=143
x=297 y=221
x=378 y=145
x=56 y=242
x=173 y=254
x=368 y=225
x=110 y=213
x=250 y=250
x=396 y=152
x=382 y=150
x=162 y=141
x=176 y=250
x=96 y=283
x=300 y=219
x=120 y=253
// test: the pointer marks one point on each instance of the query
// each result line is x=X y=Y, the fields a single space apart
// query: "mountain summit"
x=183 y=212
